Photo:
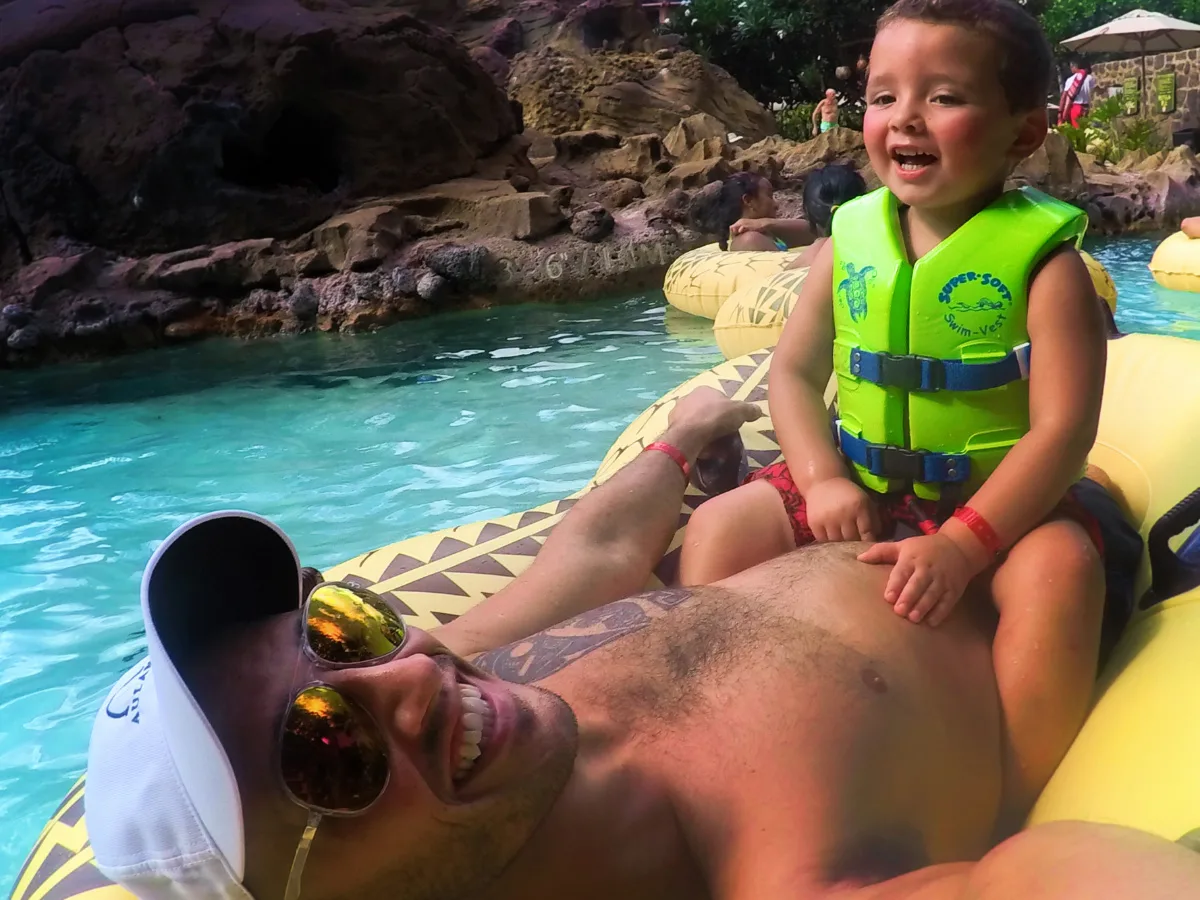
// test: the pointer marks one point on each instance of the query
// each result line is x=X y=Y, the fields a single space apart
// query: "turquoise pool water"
x=1141 y=304
x=347 y=442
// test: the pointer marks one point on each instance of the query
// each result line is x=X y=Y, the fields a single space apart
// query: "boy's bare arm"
x=837 y=508
x=1067 y=338
x=801 y=369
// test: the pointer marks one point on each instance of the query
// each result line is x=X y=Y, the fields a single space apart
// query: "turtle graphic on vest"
x=853 y=289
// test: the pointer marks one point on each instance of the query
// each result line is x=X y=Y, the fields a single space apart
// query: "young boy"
x=969 y=349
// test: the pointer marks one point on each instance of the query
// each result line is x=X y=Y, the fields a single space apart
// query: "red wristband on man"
x=981 y=528
x=675 y=453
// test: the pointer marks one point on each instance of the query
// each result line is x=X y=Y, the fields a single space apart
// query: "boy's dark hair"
x=1026 y=61
x=827 y=188
x=715 y=209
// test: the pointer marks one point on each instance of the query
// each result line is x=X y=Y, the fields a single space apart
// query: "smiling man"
x=782 y=733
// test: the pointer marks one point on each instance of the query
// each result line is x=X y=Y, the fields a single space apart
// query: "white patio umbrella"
x=1140 y=30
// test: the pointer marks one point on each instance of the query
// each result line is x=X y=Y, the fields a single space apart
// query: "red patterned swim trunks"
x=900 y=509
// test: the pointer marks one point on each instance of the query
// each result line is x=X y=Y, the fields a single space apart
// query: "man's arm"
x=608 y=544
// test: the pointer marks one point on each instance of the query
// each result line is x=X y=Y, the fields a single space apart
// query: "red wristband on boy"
x=981 y=528
x=675 y=453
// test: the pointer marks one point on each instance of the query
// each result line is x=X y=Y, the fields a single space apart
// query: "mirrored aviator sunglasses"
x=332 y=756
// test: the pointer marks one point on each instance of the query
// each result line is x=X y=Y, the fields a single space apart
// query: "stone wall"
x=1184 y=63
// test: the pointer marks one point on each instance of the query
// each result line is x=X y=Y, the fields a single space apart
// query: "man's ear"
x=1031 y=133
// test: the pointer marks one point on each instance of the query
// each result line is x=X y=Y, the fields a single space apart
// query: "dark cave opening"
x=602 y=29
x=299 y=150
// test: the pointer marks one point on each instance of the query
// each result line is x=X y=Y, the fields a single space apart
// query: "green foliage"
x=1107 y=111
x=1076 y=137
x=787 y=51
x=1063 y=18
x=1108 y=137
x=795 y=122
x=1142 y=134
x=851 y=115
x=781 y=51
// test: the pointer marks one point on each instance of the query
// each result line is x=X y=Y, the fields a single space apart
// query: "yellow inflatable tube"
x=754 y=315
x=1134 y=763
x=1176 y=263
x=753 y=318
x=1137 y=760
x=1106 y=289
x=701 y=280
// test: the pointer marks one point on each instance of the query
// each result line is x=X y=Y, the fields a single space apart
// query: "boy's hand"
x=839 y=510
x=929 y=575
x=741 y=226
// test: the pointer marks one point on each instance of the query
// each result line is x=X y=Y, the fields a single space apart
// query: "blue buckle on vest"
x=926 y=373
x=896 y=462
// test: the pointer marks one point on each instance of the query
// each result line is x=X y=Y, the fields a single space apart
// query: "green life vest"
x=932 y=359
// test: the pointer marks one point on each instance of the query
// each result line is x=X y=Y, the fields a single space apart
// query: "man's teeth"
x=476 y=721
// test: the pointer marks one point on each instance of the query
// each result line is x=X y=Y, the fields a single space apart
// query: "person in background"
x=1077 y=94
x=824 y=191
x=1084 y=99
x=741 y=212
x=827 y=112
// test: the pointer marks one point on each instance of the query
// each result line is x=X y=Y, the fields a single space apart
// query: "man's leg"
x=1050 y=594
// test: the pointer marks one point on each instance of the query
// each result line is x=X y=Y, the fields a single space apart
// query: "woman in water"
x=741 y=212
x=824 y=191
x=744 y=209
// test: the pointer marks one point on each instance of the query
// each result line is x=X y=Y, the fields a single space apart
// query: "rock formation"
x=176 y=168
x=1140 y=193
x=598 y=64
x=171 y=169
x=632 y=93
x=152 y=125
